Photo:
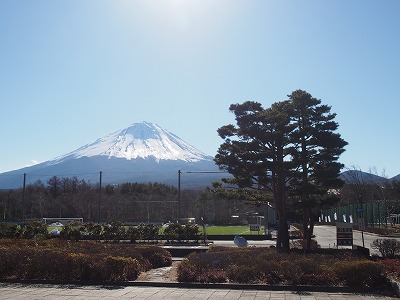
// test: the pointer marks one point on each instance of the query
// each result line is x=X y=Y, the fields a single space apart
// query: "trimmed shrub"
x=117 y=269
x=58 y=259
x=191 y=232
x=260 y=265
x=80 y=267
x=9 y=261
x=187 y=272
x=134 y=234
x=113 y=231
x=388 y=248
x=71 y=231
x=8 y=230
x=157 y=256
x=53 y=265
x=213 y=276
x=174 y=232
x=362 y=273
x=245 y=274
x=150 y=232
x=31 y=228
x=92 y=229
x=392 y=267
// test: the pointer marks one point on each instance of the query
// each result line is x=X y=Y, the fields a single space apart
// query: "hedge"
x=267 y=266
x=66 y=260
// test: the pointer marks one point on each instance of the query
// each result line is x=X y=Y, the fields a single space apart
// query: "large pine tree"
x=290 y=146
x=255 y=152
x=316 y=150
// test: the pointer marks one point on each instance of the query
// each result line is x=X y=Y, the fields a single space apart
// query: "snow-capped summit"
x=140 y=140
x=143 y=152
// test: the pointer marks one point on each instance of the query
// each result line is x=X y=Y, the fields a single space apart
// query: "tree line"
x=65 y=197
x=361 y=188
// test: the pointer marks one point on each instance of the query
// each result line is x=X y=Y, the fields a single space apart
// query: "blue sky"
x=74 y=71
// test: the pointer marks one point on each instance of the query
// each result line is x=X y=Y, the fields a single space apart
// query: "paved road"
x=325 y=235
x=36 y=292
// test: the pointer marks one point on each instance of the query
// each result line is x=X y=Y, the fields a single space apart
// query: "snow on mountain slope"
x=140 y=140
x=143 y=152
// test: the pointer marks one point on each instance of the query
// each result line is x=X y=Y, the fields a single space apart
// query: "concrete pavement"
x=70 y=292
x=325 y=235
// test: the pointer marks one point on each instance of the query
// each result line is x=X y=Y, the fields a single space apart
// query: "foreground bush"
x=392 y=267
x=360 y=273
x=54 y=265
x=266 y=266
x=66 y=260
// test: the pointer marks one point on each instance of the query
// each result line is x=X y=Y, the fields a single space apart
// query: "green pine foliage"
x=288 y=153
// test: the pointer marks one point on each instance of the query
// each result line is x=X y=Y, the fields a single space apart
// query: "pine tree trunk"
x=308 y=228
x=282 y=242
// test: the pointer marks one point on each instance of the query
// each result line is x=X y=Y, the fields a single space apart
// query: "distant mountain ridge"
x=143 y=152
x=357 y=176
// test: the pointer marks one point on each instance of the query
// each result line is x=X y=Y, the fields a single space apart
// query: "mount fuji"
x=143 y=152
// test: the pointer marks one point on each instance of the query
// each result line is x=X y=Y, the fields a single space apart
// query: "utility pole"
x=99 y=208
x=179 y=196
x=23 y=198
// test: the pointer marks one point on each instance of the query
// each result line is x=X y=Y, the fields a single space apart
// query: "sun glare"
x=177 y=27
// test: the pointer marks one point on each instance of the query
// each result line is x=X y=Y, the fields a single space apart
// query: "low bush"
x=117 y=269
x=8 y=230
x=54 y=265
x=360 y=273
x=72 y=231
x=388 y=248
x=245 y=274
x=178 y=232
x=66 y=260
x=157 y=256
x=392 y=267
x=114 y=231
x=213 y=276
x=29 y=229
x=187 y=272
x=260 y=265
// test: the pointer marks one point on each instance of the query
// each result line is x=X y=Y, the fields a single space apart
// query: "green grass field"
x=217 y=230
x=235 y=230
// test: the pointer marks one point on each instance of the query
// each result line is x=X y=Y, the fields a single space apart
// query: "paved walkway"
x=64 y=292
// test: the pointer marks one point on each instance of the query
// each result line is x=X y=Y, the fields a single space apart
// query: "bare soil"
x=165 y=274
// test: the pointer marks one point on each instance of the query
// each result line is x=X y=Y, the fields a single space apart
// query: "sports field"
x=231 y=230
x=217 y=230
